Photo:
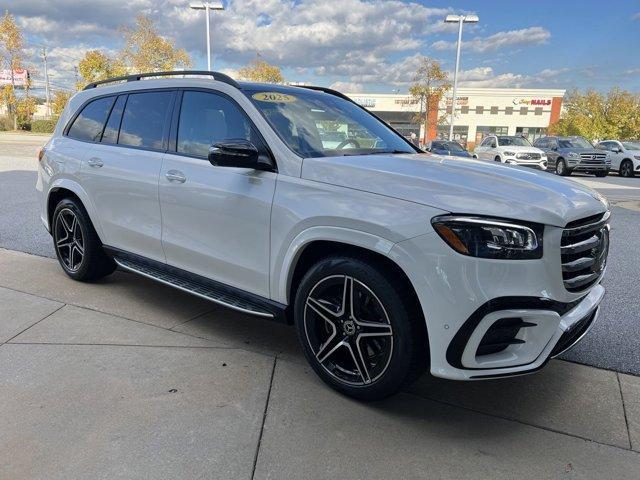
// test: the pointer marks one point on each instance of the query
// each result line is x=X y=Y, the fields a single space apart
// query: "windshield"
x=631 y=145
x=513 y=141
x=576 y=142
x=318 y=124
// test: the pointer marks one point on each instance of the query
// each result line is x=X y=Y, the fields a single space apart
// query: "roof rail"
x=220 y=77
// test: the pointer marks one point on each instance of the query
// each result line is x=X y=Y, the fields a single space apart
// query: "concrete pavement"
x=126 y=378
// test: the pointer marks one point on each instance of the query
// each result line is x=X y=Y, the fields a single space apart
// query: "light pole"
x=459 y=19
x=207 y=6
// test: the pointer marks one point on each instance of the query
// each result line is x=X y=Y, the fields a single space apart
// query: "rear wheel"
x=626 y=168
x=76 y=242
x=362 y=334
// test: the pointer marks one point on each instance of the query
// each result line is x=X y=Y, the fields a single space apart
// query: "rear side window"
x=110 y=134
x=207 y=118
x=144 y=120
x=89 y=124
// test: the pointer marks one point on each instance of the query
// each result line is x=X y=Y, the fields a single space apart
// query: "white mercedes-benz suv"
x=513 y=150
x=387 y=260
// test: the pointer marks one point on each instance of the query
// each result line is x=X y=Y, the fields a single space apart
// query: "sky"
x=361 y=46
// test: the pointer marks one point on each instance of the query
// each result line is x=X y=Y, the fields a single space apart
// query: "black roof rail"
x=220 y=77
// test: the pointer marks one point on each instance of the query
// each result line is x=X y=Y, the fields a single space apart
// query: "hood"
x=591 y=151
x=459 y=185
x=520 y=148
x=456 y=153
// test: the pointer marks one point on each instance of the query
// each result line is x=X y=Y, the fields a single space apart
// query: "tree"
x=25 y=108
x=146 y=51
x=597 y=116
x=96 y=65
x=430 y=83
x=60 y=99
x=261 y=71
x=12 y=45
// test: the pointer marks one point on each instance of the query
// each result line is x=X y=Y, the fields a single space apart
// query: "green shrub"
x=43 y=126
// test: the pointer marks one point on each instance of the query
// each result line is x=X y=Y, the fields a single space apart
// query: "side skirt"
x=199 y=286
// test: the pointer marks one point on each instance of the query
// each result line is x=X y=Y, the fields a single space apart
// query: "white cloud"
x=347 y=87
x=500 y=40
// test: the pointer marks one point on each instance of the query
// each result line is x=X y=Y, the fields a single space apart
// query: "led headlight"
x=509 y=154
x=637 y=157
x=489 y=237
x=573 y=155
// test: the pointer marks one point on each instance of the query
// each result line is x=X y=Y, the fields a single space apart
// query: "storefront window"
x=460 y=133
x=482 y=132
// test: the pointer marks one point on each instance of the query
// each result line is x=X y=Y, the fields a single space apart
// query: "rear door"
x=121 y=172
x=215 y=220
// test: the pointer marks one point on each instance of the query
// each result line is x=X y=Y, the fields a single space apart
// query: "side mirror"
x=617 y=150
x=238 y=153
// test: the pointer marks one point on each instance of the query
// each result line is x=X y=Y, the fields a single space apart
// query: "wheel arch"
x=68 y=189
x=316 y=249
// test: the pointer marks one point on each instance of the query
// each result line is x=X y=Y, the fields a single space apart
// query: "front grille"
x=528 y=156
x=592 y=158
x=584 y=248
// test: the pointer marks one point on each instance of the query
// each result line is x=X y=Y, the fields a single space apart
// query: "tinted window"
x=110 y=134
x=89 y=124
x=144 y=119
x=541 y=143
x=207 y=118
x=438 y=145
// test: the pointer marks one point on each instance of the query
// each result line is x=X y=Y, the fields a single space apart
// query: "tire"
x=387 y=326
x=626 y=168
x=76 y=243
x=602 y=174
x=561 y=168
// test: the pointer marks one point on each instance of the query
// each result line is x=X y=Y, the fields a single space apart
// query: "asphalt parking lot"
x=126 y=378
x=613 y=342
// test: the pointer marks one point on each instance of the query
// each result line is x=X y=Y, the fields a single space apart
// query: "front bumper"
x=463 y=297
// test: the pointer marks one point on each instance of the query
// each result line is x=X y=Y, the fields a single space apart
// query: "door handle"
x=95 y=162
x=175 y=176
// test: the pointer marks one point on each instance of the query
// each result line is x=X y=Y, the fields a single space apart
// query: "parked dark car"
x=445 y=147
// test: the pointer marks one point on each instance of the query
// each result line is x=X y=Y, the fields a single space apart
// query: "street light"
x=459 y=19
x=207 y=6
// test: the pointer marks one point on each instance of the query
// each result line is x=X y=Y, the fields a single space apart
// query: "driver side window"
x=207 y=118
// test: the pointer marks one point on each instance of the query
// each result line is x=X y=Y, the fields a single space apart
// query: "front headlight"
x=573 y=155
x=637 y=157
x=509 y=154
x=489 y=237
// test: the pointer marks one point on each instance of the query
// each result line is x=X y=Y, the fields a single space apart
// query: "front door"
x=216 y=220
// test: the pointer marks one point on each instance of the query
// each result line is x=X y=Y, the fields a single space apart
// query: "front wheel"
x=76 y=242
x=561 y=168
x=362 y=334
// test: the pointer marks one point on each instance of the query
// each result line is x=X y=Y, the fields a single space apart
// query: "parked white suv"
x=386 y=259
x=625 y=156
x=514 y=150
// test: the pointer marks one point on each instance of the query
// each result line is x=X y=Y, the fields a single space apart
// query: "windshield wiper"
x=390 y=152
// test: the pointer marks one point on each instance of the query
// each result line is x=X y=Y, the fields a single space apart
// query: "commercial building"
x=479 y=111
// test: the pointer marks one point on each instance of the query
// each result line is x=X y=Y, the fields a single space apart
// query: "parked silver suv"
x=296 y=204
x=574 y=154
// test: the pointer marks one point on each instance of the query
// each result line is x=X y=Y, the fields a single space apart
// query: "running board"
x=191 y=284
